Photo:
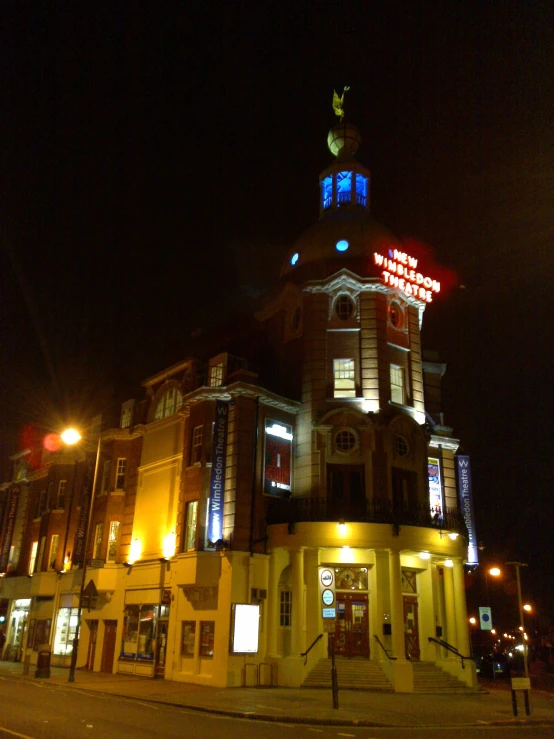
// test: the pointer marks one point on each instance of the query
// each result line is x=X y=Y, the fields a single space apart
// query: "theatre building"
x=293 y=490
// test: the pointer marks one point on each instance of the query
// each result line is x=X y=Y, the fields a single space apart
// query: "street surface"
x=31 y=710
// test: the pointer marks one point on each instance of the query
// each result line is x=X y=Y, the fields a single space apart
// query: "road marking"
x=339 y=734
x=15 y=733
x=319 y=731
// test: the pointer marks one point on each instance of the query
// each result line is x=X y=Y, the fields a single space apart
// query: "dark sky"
x=156 y=161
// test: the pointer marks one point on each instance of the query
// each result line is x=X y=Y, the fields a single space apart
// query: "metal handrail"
x=309 y=649
x=380 y=643
x=450 y=648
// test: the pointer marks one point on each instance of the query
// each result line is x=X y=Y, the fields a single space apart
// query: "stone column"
x=297 y=644
x=450 y=608
x=272 y=607
x=396 y=606
x=461 y=608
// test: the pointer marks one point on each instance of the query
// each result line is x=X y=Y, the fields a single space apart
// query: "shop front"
x=17 y=628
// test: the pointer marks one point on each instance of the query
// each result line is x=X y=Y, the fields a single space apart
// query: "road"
x=29 y=710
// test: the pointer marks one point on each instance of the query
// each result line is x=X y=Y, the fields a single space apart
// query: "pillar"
x=396 y=606
x=272 y=606
x=450 y=608
x=462 y=629
x=297 y=644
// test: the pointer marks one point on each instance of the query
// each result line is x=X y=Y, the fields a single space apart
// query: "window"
x=49 y=496
x=397 y=384
x=41 y=504
x=120 y=474
x=327 y=192
x=54 y=543
x=196 y=455
x=207 y=635
x=285 y=608
x=168 y=403
x=139 y=629
x=344 y=307
x=60 y=503
x=216 y=375
x=112 y=541
x=33 y=557
x=66 y=625
x=98 y=540
x=361 y=189
x=40 y=554
x=106 y=476
x=345 y=441
x=344 y=379
x=344 y=187
x=190 y=525
x=189 y=639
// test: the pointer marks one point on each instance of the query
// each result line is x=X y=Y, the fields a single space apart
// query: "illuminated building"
x=313 y=442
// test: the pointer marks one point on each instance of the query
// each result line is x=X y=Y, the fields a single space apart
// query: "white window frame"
x=197 y=438
x=98 y=538
x=191 y=525
x=120 y=473
x=397 y=384
x=216 y=375
x=33 y=557
x=113 y=538
x=285 y=608
x=54 y=546
x=168 y=403
x=344 y=378
x=62 y=487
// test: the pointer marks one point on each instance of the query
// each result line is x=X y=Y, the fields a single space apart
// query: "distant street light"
x=72 y=436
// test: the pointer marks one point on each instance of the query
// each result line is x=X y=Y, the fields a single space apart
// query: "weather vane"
x=338 y=103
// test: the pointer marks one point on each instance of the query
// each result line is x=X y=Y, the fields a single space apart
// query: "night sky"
x=157 y=160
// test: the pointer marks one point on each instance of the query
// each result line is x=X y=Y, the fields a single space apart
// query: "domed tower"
x=346 y=323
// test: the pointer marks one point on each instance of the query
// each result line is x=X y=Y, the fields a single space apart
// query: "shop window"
x=139 y=629
x=285 y=608
x=98 y=536
x=196 y=455
x=60 y=503
x=120 y=474
x=397 y=389
x=188 y=639
x=54 y=544
x=190 y=525
x=207 y=635
x=33 y=557
x=66 y=626
x=113 y=539
x=344 y=381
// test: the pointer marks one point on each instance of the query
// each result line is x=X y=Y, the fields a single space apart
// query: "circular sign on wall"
x=327 y=578
x=328 y=597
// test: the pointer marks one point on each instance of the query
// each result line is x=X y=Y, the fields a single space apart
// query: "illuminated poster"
x=245 y=630
x=435 y=487
x=465 y=493
x=278 y=458
x=217 y=481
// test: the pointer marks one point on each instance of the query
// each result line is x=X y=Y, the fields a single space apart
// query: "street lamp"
x=72 y=436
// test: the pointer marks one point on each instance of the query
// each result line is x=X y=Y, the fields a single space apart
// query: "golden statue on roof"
x=338 y=103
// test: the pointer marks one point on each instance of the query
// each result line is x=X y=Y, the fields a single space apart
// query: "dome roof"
x=342 y=240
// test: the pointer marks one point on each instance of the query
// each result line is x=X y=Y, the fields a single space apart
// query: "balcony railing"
x=297 y=510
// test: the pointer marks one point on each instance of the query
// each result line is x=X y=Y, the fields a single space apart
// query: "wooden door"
x=352 y=626
x=93 y=629
x=411 y=627
x=161 y=647
x=108 y=649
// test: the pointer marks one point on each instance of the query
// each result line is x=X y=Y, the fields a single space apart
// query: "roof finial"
x=338 y=103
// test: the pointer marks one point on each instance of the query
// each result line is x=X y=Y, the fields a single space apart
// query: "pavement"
x=491 y=706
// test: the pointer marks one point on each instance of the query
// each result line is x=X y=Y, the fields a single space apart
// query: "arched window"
x=168 y=403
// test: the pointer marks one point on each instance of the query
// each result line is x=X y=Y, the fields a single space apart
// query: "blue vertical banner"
x=465 y=493
x=217 y=481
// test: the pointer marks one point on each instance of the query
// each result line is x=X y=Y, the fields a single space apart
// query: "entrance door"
x=161 y=647
x=93 y=628
x=108 y=649
x=411 y=627
x=352 y=627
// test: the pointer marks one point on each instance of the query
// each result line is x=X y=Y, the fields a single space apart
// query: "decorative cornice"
x=445 y=442
x=237 y=389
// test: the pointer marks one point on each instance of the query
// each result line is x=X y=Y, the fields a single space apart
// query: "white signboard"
x=246 y=626
x=327 y=593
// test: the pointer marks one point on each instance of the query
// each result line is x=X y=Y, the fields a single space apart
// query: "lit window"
x=112 y=541
x=216 y=375
x=327 y=192
x=54 y=543
x=120 y=475
x=344 y=378
x=126 y=417
x=98 y=540
x=196 y=455
x=190 y=526
x=397 y=384
x=285 y=608
x=33 y=557
x=344 y=187
x=60 y=503
x=168 y=403
x=344 y=307
x=361 y=189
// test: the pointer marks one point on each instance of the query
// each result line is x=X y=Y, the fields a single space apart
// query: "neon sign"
x=399 y=271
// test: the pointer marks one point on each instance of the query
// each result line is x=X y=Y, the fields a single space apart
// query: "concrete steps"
x=428 y=678
x=352 y=674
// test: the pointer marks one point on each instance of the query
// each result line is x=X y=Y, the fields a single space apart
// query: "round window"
x=401 y=446
x=396 y=314
x=345 y=441
x=344 y=307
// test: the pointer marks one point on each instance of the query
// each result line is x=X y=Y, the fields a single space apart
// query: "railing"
x=450 y=648
x=309 y=649
x=297 y=510
x=257 y=669
x=380 y=643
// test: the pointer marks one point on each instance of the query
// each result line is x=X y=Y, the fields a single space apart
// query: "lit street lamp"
x=71 y=436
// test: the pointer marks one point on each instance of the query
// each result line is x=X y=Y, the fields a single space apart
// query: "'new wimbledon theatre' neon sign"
x=399 y=271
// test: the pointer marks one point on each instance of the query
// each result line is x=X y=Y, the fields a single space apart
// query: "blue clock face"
x=342 y=245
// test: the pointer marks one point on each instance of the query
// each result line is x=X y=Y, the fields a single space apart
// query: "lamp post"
x=71 y=436
x=517 y=565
